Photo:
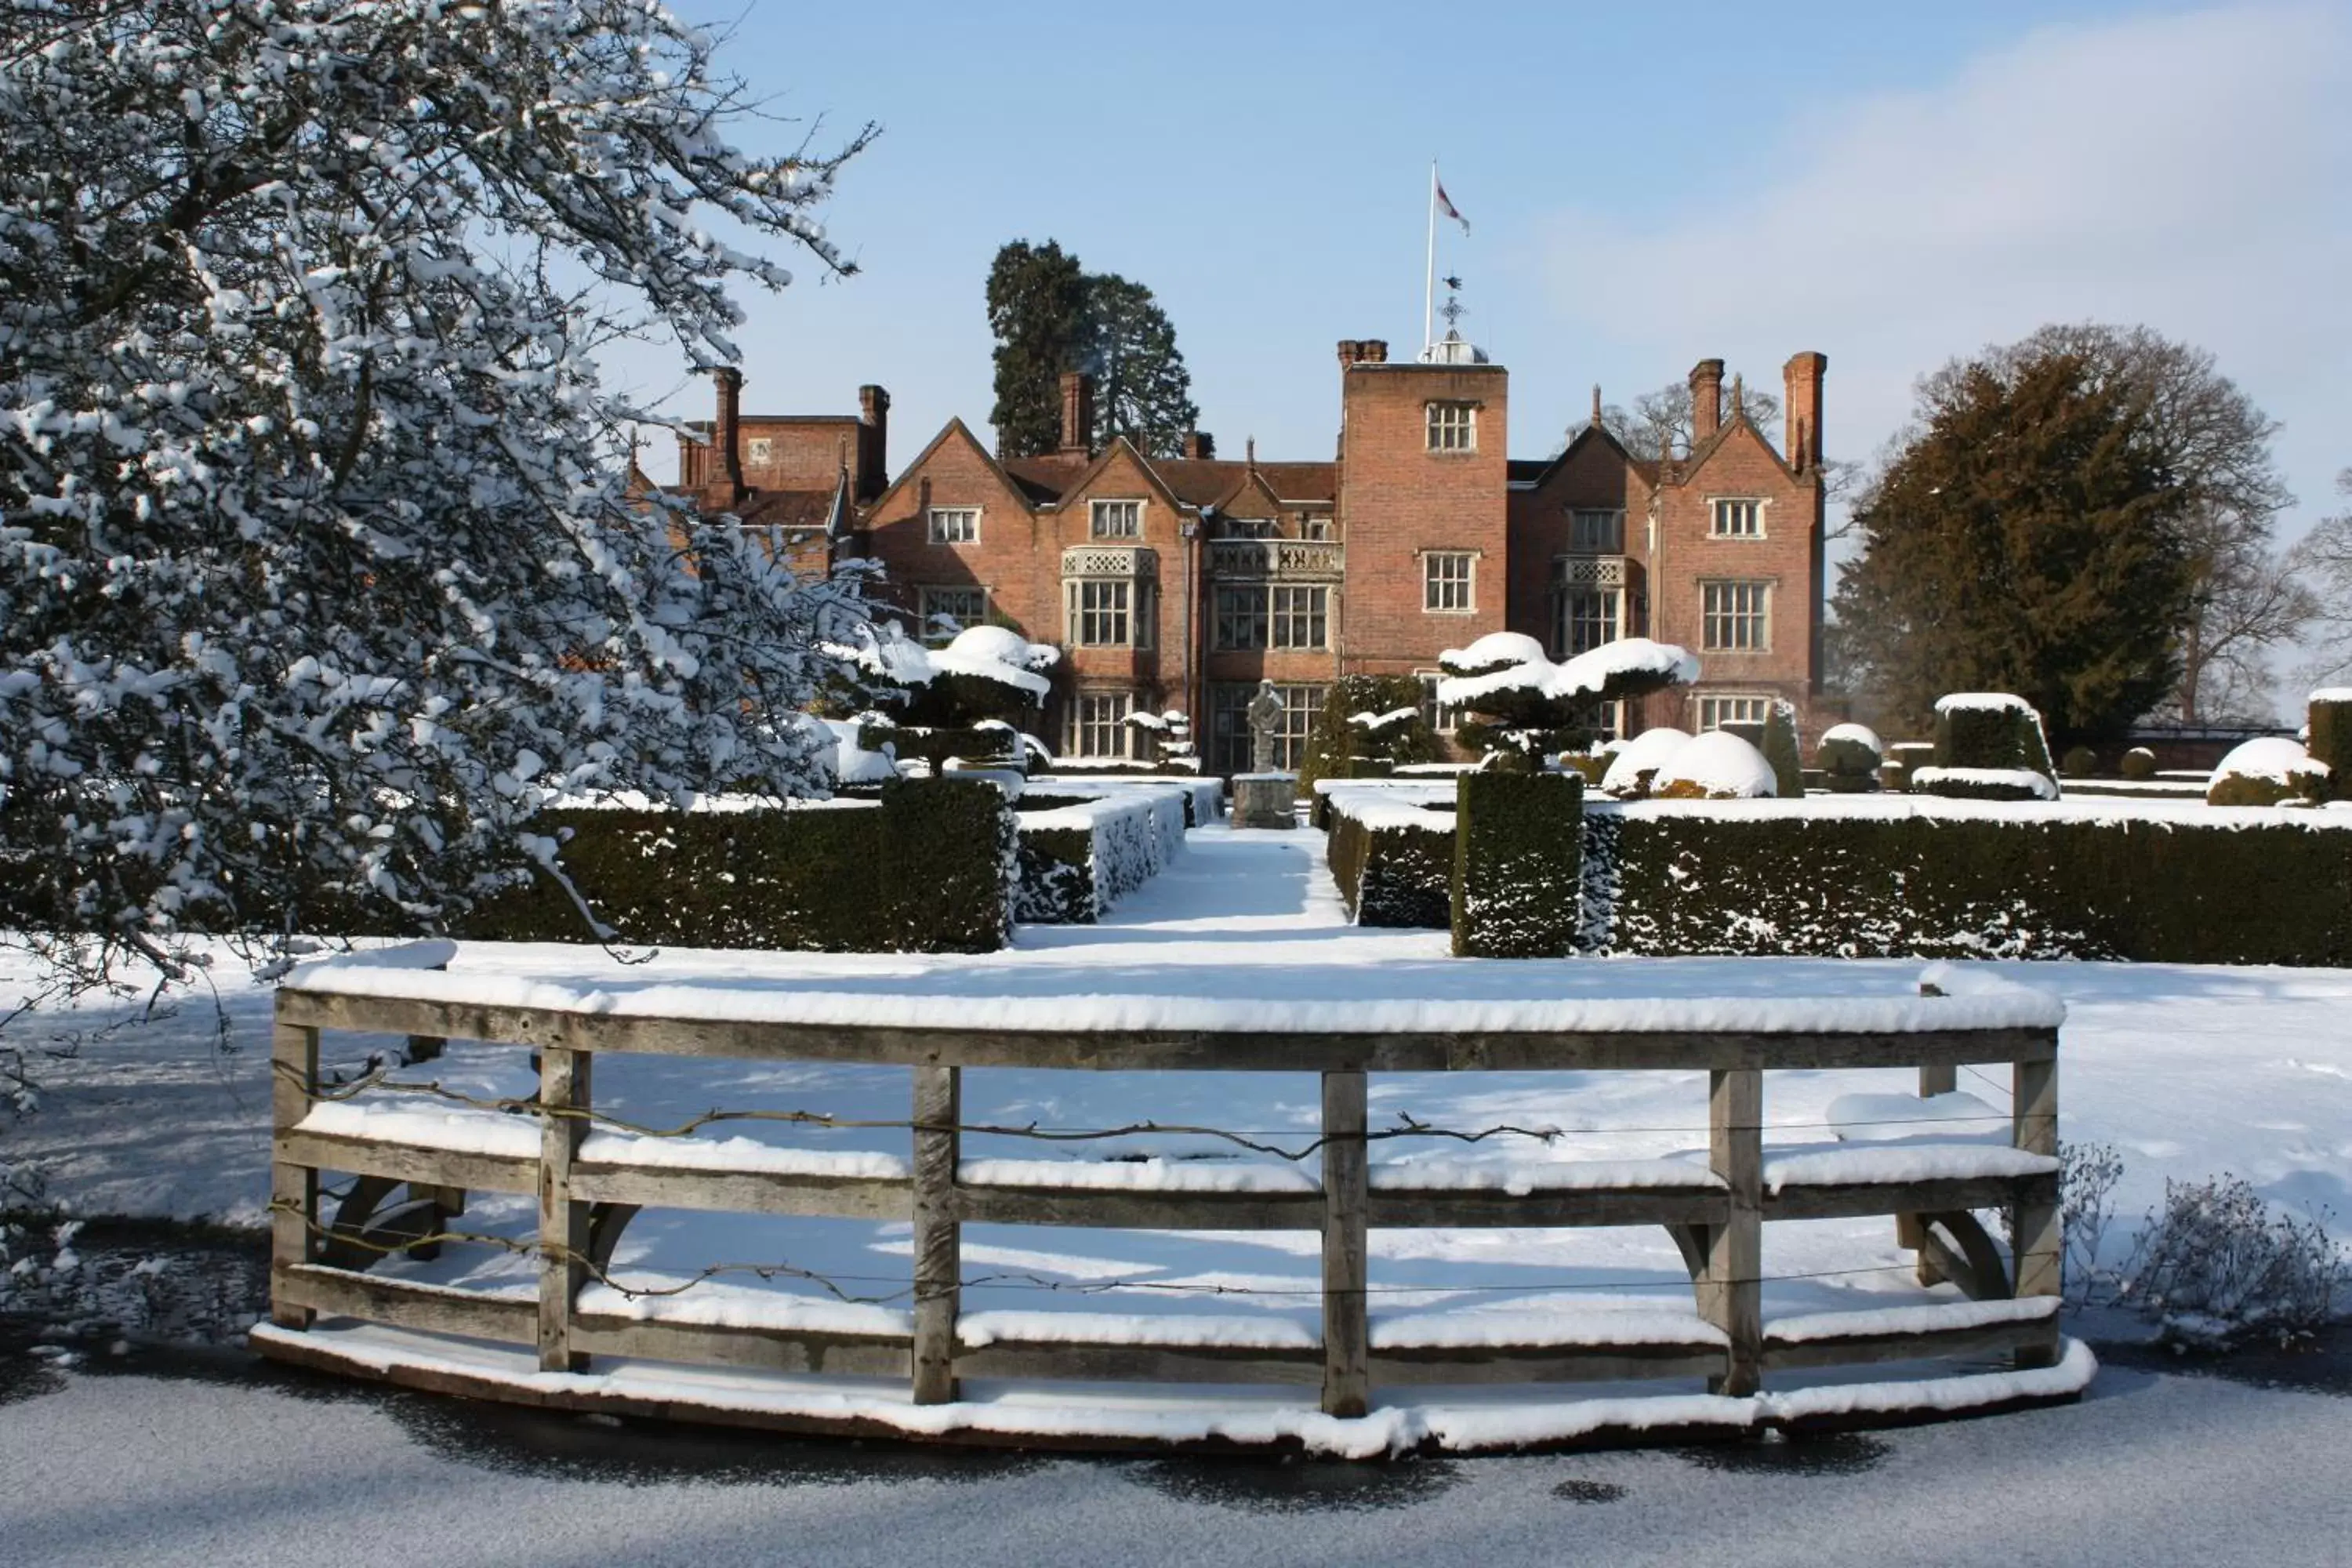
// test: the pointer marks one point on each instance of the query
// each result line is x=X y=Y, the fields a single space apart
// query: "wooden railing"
x=319 y=1261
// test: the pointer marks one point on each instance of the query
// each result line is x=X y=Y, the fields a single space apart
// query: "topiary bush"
x=1516 y=888
x=1850 y=758
x=1779 y=749
x=2329 y=729
x=1338 y=748
x=2080 y=762
x=1394 y=863
x=1989 y=746
x=2270 y=771
x=2138 y=765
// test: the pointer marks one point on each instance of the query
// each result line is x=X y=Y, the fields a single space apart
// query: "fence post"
x=563 y=1086
x=293 y=1189
x=1347 y=1337
x=1909 y=1233
x=1732 y=1297
x=2041 y=1236
x=939 y=1238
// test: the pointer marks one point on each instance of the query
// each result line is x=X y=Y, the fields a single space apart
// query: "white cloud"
x=2192 y=172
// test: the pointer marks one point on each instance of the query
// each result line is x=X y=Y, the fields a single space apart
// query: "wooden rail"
x=582 y=1201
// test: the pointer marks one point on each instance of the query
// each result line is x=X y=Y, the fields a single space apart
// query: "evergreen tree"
x=2029 y=536
x=1142 y=390
x=1050 y=316
x=1037 y=308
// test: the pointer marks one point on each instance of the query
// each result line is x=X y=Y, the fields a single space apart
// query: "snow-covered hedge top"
x=992 y=653
x=1588 y=674
x=1494 y=648
x=1982 y=702
x=1861 y=734
x=2331 y=694
x=1719 y=763
x=2272 y=757
x=1378 y=812
x=949 y=992
x=2040 y=785
x=2189 y=812
x=1646 y=752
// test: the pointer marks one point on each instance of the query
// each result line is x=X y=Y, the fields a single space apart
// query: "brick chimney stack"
x=1706 y=399
x=1802 y=381
x=727 y=437
x=1350 y=351
x=873 y=442
x=1200 y=443
x=1077 y=414
x=1376 y=351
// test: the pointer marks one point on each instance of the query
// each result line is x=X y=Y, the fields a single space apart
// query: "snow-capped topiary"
x=1718 y=765
x=1522 y=706
x=1850 y=757
x=1989 y=746
x=1630 y=769
x=2271 y=771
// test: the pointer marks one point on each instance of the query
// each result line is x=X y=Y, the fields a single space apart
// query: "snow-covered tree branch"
x=316 y=573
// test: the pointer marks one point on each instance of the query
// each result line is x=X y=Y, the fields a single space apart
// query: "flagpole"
x=1429 y=287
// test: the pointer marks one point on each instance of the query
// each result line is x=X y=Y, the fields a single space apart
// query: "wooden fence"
x=318 y=1268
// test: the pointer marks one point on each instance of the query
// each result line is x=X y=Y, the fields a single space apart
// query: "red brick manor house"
x=1180 y=583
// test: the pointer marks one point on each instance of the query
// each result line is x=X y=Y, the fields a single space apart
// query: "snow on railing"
x=591 y=1170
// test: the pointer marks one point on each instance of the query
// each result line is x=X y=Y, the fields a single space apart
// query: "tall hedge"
x=2330 y=741
x=1518 y=862
x=1392 y=876
x=927 y=870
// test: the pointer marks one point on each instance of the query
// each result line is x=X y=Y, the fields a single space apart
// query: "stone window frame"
x=1565 y=596
x=1718 y=611
x=1095 y=509
x=925 y=609
x=1450 y=425
x=1758 y=507
x=1130 y=617
x=1436 y=585
x=937 y=531
x=1093 y=719
x=1615 y=531
x=1714 y=709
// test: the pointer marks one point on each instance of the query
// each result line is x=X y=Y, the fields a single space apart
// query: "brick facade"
x=1178 y=583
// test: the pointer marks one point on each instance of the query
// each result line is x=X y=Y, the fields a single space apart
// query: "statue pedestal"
x=1264 y=800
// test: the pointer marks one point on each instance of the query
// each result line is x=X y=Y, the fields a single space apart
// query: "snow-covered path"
x=106 y=1470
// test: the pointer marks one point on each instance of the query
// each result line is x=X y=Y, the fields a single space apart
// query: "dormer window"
x=1117 y=520
x=1738 y=517
x=1453 y=426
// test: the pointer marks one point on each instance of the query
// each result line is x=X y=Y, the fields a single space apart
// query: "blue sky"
x=1890 y=184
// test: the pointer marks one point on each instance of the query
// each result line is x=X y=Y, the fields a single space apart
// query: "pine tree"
x=1037 y=308
x=1050 y=316
x=2027 y=537
x=1142 y=390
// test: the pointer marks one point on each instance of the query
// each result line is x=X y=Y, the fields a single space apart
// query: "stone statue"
x=1264 y=712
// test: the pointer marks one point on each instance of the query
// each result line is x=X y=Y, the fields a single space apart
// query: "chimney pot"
x=873 y=441
x=1376 y=351
x=1350 y=351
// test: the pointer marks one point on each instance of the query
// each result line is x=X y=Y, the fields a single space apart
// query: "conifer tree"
x=1037 y=308
x=2028 y=536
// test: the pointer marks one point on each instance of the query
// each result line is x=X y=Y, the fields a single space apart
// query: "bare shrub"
x=2219 y=1261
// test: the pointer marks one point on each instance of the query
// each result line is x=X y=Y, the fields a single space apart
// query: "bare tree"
x=2322 y=561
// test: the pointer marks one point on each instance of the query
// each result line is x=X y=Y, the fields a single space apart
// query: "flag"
x=1446 y=202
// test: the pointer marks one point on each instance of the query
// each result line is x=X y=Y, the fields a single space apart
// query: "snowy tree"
x=316 y=575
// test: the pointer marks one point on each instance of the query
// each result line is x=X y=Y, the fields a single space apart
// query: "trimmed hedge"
x=2165 y=890
x=2331 y=743
x=1392 y=869
x=925 y=870
x=1078 y=860
x=1519 y=858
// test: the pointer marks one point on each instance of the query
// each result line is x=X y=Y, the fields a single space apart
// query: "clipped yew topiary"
x=2330 y=720
x=2080 y=762
x=1850 y=758
x=2138 y=765
x=1369 y=724
x=1518 y=865
x=2270 y=771
x=1392 y=874
x=1989 y=746
x=1911 y=756
x=1779 y=749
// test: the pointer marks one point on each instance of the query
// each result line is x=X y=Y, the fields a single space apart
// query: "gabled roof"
x=1702 y=450
x=1536 y=474
x=957 y=429
x=1194 y=481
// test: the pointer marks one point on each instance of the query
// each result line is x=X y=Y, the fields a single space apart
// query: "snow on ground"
x=2188 y=1071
